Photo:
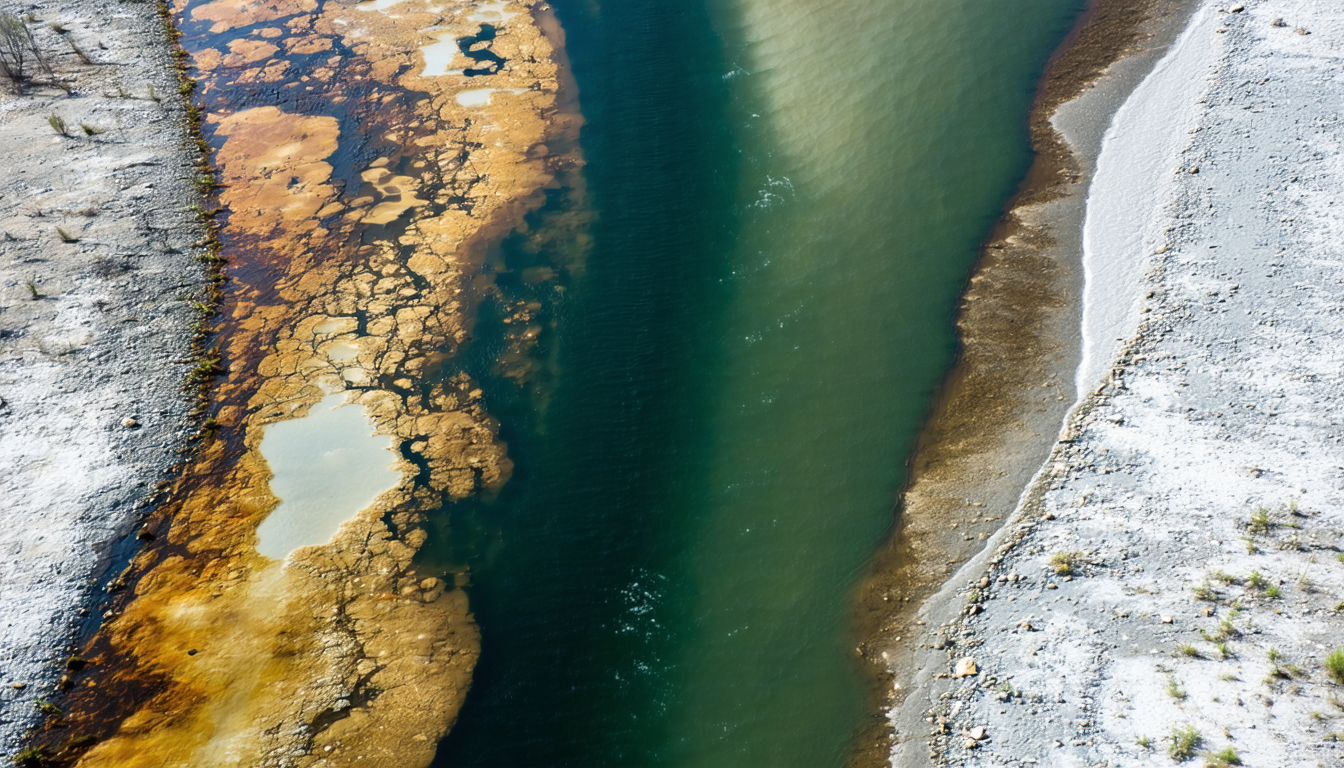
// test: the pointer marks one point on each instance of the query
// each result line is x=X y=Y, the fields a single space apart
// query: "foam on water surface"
x=327 y=467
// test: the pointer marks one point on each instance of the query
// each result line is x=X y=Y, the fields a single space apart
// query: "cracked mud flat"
x=106 y=342
x=358 y=203
x=1176 y=563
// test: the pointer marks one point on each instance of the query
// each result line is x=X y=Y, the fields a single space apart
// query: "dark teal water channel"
x=789 y=195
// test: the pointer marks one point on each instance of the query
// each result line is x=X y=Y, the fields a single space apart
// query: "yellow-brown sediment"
x=343 y=652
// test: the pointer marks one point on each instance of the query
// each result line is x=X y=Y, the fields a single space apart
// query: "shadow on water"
x=566 y=564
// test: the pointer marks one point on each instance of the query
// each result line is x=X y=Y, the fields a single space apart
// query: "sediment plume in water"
x=358 y=201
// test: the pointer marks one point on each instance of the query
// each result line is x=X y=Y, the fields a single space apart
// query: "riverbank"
x=1165 y=589
x=99 y=274
x=1000 y=410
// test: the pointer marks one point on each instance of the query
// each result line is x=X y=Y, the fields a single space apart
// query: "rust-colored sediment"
x=342 y=654
x=1003 y=403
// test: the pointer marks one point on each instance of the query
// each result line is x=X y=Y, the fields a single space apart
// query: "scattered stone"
x=129 y=423
x=965 y=668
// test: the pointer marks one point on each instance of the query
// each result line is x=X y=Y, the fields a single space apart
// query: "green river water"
x=788 y=197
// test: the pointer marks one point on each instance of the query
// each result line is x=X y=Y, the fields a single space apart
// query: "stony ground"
x=1171 y=587
x=94 y=332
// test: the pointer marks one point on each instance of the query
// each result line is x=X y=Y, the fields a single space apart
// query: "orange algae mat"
x=357 y=201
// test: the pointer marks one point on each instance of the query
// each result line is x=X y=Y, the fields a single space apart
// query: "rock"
x=965 y=668
x=1277 y=23
x=984 y=582
x=977 y=732
x=1237 y=9
x=1167 y=619
x=129 y=423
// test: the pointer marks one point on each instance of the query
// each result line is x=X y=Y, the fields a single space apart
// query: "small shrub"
x=1272 y=592
x=90 y=130
x=1260 y=522
x=1334 y=665
x=1185 y=649
x=57 y=124
x=1274 y=654
x=1226 y=631
x=1206 y=593
x=66 y=237
x=1174 y=689
x=1145 y=742
x=1223 y=652
x=1225 y=578
x=1065 y=563
x=1222 y=759
x=1256 y=581
x=33 y=291
x=1184 y=741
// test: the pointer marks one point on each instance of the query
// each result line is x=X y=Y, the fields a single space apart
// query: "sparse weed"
x=66 y=237
x=1223 y=652
x=1174 y=689
x=33 y=757
x=1206 y=593
x=153 y=94
x=1225 y=578
x=46 y=707
x=90 y=130
x=57 y=124
x=1272 y=592
x=1260 y=521
x=1256 y=581
x=1185 y=649
x=1274 y=655
x=1144 y=741
x=1334 y=665
x=34 y=292
x=1184 y=741
x=1065 y=563
x=1222 y=758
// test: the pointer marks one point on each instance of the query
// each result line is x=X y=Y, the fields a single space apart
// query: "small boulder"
x=965 y=668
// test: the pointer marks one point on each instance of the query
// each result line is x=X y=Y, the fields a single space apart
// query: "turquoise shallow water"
x=789 y=196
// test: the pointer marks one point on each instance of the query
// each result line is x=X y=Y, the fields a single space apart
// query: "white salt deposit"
x=327 y=467
x=480 y=97
x=1134 y=181
x=439 y=56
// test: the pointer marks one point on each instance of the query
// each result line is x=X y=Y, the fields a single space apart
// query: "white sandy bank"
x=1199 y=492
